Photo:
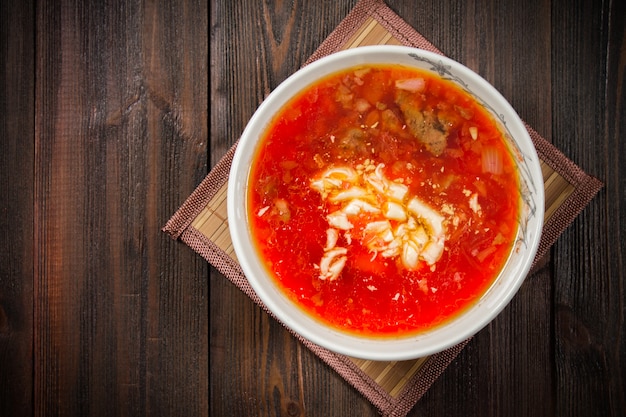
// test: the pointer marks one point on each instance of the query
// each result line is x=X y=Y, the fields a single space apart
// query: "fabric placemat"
x=392 y=387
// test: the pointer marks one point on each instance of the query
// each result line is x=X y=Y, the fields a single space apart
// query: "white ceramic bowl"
x=489 y=305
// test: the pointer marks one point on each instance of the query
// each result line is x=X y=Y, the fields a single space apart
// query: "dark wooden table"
x=104 y=133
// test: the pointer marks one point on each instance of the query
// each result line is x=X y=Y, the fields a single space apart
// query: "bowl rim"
x=362 y=347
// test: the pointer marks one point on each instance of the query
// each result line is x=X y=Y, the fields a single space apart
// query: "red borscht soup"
x=383 y=200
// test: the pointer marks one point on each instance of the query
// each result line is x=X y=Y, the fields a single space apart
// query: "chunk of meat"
x=352 y=144
x=424 y=125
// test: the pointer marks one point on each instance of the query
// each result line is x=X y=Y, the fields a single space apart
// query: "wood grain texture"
x=17 y=49
x=550 y=60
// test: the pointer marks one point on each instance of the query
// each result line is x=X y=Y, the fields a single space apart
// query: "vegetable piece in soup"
x=383 y=200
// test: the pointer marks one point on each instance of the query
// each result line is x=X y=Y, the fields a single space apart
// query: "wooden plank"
x=17 y=76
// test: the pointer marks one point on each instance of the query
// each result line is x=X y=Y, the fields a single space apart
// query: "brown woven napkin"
x=393 y=387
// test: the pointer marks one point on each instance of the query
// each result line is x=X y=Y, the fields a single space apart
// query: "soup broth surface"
x=383 y=200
